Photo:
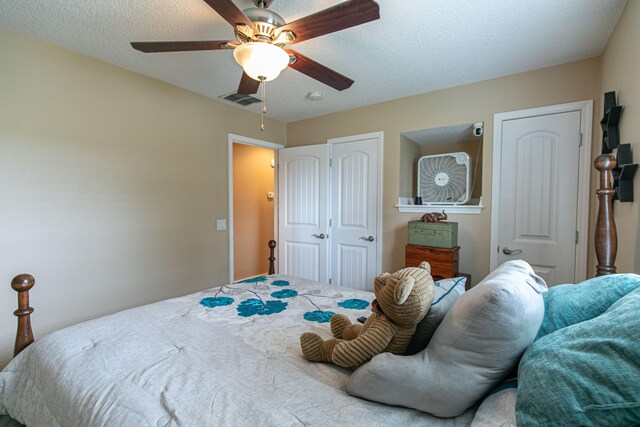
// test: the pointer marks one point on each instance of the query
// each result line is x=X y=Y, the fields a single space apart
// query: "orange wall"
x=252 y=212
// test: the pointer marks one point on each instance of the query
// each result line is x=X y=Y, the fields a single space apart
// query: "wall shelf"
x=405 y=205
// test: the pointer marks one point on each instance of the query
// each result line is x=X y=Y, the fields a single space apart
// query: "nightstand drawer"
x=443 y=261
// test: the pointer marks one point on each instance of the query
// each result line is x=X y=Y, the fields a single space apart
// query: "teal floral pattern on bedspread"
x=318 y=316
x=280 y=283
x=254 y=280
x=285 y=293
x=312 y=301
x=354 y=303
x=255 y=306
x=216 y=301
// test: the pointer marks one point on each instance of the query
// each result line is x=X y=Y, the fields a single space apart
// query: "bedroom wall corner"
x=621 y=72
x=576 y=81
x=110 y=185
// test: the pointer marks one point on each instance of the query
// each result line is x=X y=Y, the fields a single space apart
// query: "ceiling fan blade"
x=336 y=18
x=319 y=72
x=248 y=86
x=153 y=47
x=230 y=12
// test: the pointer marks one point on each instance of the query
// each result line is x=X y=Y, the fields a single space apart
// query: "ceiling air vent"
x=240 y=99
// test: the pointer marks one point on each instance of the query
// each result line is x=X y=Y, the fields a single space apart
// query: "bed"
x=225 y=356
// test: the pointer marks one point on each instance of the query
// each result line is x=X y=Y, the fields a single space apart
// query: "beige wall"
x=253 y=212
x=410 y=153
x=464 y=104
x=621 y=72
x=111 y=183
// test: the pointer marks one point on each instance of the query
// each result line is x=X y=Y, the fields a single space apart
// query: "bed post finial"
x=606 y=238
x=21 y=284
x=272 y=257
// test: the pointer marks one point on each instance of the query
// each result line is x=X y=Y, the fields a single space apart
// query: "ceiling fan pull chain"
x=264 y=102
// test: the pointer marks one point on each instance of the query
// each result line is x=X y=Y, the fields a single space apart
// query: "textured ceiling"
x=417 y=46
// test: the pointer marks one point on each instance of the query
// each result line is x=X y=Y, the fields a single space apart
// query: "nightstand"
x=443 y=261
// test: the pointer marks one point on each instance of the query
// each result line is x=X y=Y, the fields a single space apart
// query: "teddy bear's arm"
x=342 y=328
x=372 y=341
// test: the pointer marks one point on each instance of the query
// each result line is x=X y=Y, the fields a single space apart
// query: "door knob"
x=368 y=239
x=319 y=236
x=508 y=251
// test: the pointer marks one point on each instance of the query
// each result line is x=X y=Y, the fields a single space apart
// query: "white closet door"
x=355 y=199
x=539 y=194
x=303 y=212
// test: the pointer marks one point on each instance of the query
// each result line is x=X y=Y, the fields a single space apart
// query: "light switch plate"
x=221 y=224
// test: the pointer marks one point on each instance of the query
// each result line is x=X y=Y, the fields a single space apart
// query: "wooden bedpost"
x=272 y=257
x=606 y=239
x=24 y=336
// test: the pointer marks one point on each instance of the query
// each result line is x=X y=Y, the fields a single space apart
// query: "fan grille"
x=444 y=178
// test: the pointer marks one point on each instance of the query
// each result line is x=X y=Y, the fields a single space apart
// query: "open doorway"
x=253 y=213
x=252 y=205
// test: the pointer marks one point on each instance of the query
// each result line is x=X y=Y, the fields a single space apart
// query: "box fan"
x=444 y=178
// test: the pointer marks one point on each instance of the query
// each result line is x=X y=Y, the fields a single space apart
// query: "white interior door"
x=355 y=199
x=538 y=194
x=303 y=212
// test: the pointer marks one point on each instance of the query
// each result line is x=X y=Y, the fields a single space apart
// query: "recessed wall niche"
x=443 y=140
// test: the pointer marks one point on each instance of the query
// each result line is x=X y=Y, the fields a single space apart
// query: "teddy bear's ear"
x=383 y=277
x=403 y=289
x=380 y=281
x=425 y=265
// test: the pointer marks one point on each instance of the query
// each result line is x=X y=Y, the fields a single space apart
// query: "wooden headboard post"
x=272 y=257
x=606 y=238
x=21 y=284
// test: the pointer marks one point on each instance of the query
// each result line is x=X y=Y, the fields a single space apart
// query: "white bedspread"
x=182 y=363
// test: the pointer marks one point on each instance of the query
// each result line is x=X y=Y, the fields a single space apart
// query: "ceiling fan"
x=263 y=38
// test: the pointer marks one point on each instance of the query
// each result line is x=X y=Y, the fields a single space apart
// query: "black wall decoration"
x=610 y=122
x=625 y=169
x=623 y=174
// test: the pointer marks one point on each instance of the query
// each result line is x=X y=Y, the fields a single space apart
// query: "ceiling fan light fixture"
x=261 y=61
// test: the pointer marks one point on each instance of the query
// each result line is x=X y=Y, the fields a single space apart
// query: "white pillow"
x=447 y=291
x=497 y=409
x=477 y=344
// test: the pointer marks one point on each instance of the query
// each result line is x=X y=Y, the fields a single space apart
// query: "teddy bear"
x=402 y=300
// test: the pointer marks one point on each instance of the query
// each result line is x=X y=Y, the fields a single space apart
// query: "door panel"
x=303 y=212
x=352 y=266
x=302 y=196
x=353 y=195
x=354 y=213
x=311 y=192
x=546 y=273
x=536 y=178
x=538 y=193
x=302 y=259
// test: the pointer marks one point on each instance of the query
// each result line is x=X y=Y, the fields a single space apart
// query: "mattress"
x=224 y=356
